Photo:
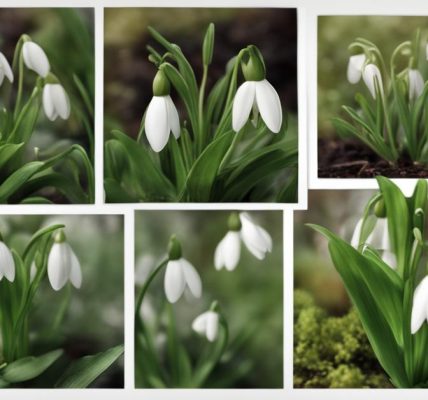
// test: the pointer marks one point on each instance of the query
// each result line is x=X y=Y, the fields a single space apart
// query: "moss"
x=331 y=352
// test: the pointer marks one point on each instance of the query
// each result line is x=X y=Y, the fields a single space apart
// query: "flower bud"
x=208 y=45
x=379 y=209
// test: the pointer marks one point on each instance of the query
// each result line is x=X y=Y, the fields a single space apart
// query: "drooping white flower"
x=179 y=275
x=416 y=84
x=55 y=101
x=260 y=96
x=161 y=119
x=5 y=69
x=255 y=238
x=420 y=306
x=63 y=264
x=228 y=251
x=207 y=324
x=371 y=75
x=35 y=58
x=378 y=239
x=7 y=264
x=355 y=68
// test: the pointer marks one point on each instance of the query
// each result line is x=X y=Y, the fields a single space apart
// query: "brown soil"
x=351 y=159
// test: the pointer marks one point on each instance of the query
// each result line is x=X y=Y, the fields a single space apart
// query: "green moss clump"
x=332 y=352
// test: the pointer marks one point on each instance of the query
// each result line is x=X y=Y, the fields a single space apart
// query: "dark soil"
x=351 y=159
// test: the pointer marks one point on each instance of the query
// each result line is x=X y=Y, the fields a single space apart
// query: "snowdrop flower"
x=355 y=68
x=161 y=115
x=207 y=324
x=180 y=274
x=63 y=265
x=416 y=84
x=7 y=264
x=256 y=94
x=420 y=306
x=378 y=239
x=5 y=69
x=55 y=101
x=35 y=58
x=255 y=238
x=371 y=75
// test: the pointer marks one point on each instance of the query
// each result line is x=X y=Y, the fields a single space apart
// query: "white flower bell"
x=35 y=58
x=63 y=264
x=5 y=69
x=207 y=324
x=256 y=94
x=180 y=274
x=355 y=68
x=7 y=264
x=420 y=306
x=371 y=75
x=55 y=101
x=161 y=115
x=255 y=238
x=416 y=84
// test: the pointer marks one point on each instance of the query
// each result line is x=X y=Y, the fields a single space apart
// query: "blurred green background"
x=128 y=74
x=94 y=318
x=66 y=35
x=335 y=34
x=251 y=297
x=331 y=349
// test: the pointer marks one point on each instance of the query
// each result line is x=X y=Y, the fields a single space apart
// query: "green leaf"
x=85 y=370
x=204 y=171
x=7 y=151
x=28 y=368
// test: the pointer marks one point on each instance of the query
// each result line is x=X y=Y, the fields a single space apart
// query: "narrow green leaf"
x=85 y=370
x=28 y=368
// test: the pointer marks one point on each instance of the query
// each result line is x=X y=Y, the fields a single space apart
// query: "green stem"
x=231 y=150
x=20 y=85
x=201 y=108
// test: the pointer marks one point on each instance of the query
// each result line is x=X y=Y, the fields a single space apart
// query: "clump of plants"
x=331 y=352
x=391 y=117
x=40 y=175
x=384 y=272
x=231 y=145
x=47 y=256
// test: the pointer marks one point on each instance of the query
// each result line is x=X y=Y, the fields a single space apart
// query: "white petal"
x=242 y=104
x=269 y=105
x=416 y=84
x=48 y=103
x=219 y=256
x=232 y=250
x=5 y=67
x=1 y=76
x=156 y=123
x=371 y=74
x=191 y=277
x=355 y=67
x=174 y=282
x=212 y=325
x=355 y=241
x=199 y=324
x=35 y=58
x=420 y=303
x=379 y=238
x=388 y=258
x=228 y=251
x=173 y=120
x=33 y=271
x=60 y=100
x=59 y=265
x=75 y=271
x=7 y=264
x=255 y=238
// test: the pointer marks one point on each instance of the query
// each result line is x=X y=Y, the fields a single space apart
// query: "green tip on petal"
x=174 y=248
x=234 y=222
